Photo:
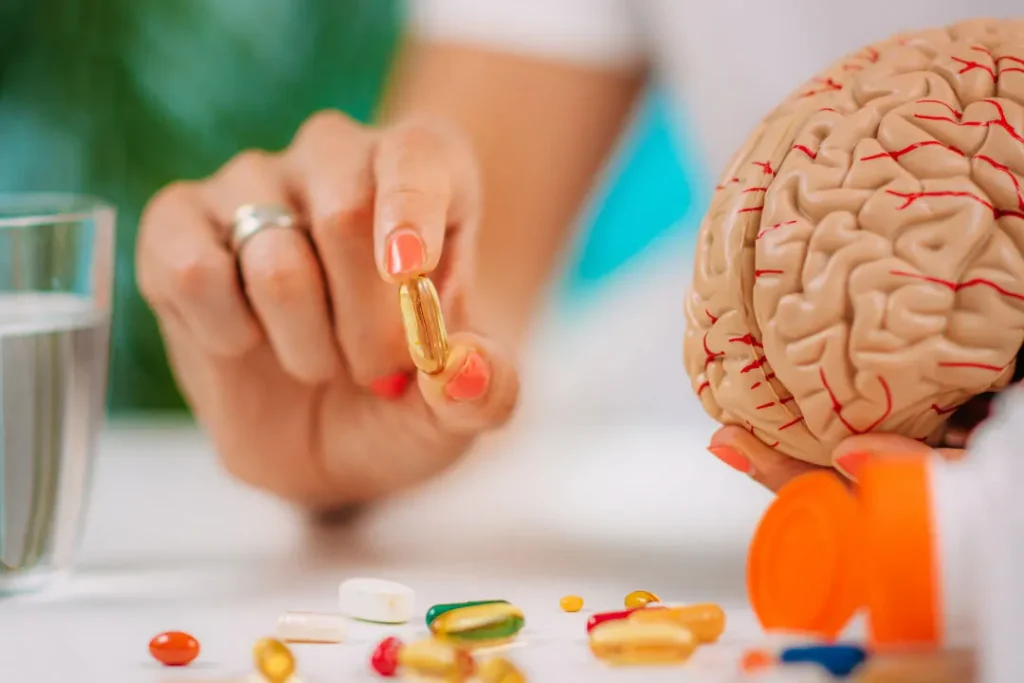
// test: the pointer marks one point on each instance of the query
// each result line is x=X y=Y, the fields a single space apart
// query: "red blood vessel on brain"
x=861 y=267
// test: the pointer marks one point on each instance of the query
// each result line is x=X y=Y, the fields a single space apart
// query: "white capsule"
x=310 y=627
x=385 y=602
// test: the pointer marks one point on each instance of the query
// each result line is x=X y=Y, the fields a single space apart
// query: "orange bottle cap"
x=803 y=570
x=902 y=590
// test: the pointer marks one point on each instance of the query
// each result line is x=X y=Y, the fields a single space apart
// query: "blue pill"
x=838 y=660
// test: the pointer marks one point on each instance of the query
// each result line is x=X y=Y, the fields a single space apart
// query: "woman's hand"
x=291 y=352
x=741 y=450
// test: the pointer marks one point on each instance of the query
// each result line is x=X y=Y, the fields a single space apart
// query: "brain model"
x=861 y=267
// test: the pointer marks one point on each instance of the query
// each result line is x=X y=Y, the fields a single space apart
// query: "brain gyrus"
x=861 y=267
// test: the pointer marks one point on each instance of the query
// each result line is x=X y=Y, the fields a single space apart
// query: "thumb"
x=477 y=390
x=741 y=450
x=852 y=453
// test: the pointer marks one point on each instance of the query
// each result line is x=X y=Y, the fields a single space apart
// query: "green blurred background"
x=120 y=97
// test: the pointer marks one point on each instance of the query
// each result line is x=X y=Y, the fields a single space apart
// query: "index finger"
x=425 y=190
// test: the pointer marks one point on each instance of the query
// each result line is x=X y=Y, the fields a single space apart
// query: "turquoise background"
x=659 y=192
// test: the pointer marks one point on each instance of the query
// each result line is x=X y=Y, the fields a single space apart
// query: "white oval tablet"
x=310 y=627
x=385 y=602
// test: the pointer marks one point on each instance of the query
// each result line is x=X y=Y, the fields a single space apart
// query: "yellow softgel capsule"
x=500 y=670
x=626 y=643
x=571 y=603
x=480 y=625
x=705 y=621
x=638 y=599
x=274 y=660
x=425 y=332
x=436 y=660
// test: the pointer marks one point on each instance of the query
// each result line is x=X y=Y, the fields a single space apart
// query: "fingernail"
x=851 y=464
x=732 y=457
x=391 y=387
x=405 y=252
x=470 y=382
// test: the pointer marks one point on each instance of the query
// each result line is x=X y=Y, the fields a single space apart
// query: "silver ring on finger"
x=251 y=219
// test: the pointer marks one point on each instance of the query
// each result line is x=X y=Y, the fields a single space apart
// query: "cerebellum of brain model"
x=861 y=266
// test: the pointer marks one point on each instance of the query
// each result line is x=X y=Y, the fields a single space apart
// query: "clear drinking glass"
x=56 y=277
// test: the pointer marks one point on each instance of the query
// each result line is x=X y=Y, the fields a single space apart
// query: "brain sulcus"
x=861 y=266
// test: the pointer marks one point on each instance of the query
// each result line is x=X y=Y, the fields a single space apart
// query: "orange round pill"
x=174 y=648
x=756 y=660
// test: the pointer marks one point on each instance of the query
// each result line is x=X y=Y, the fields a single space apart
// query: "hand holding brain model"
x=861 y=267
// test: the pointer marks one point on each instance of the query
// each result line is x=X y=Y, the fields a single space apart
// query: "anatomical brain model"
x=861 y=268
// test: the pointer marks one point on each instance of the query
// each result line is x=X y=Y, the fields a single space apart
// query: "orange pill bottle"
x=931 y=552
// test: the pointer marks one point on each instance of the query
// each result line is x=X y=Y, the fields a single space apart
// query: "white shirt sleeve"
x=601 y=32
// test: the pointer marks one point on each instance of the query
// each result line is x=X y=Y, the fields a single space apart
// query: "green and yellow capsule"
x=480 y=625
x=437 y=610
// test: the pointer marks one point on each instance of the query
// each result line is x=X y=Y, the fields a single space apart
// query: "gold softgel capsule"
x=424 y=325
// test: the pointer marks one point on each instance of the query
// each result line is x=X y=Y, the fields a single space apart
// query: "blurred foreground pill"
x=377 y=600
x=596 y=620
x=838 y=660
x=706 y=621
x=273 y=660
x=311 y=627
x=628 y=643
x=500 y=670
x=571 y=603
x=434 y=660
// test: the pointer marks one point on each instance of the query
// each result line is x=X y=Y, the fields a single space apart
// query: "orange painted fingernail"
x=405 y=252
x=851 y=464
x=391 y=387
x=731 y=457
x=470 y=382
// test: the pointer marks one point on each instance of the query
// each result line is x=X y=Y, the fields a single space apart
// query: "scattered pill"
x=174 y=648
x=601 y=617
x=310 y=627
x=436 y=660
x=480 y=624
x=384 y=659
x=625 y=642
x=706 y=621
x=500 y=670
x=377 y=600
x=756 y=660
x=571 y=603
x=273 y=660
x=838 y=660
x=638 y=599
x=437 y=610
x=424 y=325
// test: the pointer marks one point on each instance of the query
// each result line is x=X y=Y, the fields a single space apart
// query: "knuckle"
x=167 y=201
x=251 y=163
x=278 y=280
x=328 y=123
x=193 y=277
x=351 y=219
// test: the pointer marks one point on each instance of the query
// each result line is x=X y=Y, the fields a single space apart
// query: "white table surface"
x=172 y=543
x=621 y=496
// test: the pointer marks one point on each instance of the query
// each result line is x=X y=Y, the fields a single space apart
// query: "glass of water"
x=56 y=278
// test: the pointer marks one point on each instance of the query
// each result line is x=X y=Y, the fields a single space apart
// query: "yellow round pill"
x=638 y=599
x=571 y=603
